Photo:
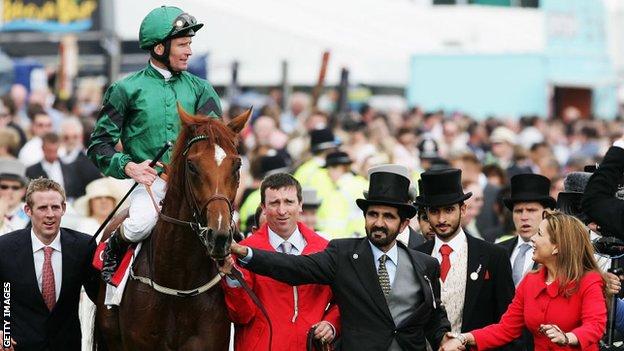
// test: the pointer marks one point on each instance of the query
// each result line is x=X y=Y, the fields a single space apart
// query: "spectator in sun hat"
x=101 y=197
x=13 y=183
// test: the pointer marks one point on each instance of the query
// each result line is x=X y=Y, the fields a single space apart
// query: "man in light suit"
x=388 y=294
x=475 y=275
x=44 y=267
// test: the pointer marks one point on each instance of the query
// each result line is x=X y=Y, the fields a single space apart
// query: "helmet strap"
x=164 y=58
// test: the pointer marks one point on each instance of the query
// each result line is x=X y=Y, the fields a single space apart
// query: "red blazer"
x=289 y=333
x=584 y=313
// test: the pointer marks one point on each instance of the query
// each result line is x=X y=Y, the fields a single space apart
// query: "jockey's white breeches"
x=143 y=215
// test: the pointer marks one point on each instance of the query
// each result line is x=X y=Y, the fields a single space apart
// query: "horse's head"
x=206 y=173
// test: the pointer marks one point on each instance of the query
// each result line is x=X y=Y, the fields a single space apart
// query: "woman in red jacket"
x=562 y=303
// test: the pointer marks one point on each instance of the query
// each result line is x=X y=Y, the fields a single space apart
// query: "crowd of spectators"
x=49 y=138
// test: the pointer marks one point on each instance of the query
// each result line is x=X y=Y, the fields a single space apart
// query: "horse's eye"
x=192 y=167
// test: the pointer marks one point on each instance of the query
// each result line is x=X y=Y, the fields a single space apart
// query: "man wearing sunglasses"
x=12 y=189
x=141 y=112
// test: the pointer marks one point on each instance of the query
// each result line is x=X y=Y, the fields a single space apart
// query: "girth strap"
x=175 y=292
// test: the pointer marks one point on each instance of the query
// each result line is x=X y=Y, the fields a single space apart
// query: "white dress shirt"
x=296 y=239
x=404 y=235
x=57 y=260
x=54 y=171
x=528 y=258
x=458 y=243
x=391 y=262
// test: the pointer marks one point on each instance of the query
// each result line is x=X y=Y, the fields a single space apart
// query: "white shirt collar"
x=296 y=239
x=165 y=73
x=38 y=245
x=393 y=253
x=456 y=243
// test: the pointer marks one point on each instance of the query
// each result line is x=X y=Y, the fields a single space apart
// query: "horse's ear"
x=238 y=123
x=185 y=118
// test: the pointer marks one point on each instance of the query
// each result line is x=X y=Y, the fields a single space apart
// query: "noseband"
x=202 y=231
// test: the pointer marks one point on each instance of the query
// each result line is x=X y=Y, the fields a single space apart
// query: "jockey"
x=140 y=111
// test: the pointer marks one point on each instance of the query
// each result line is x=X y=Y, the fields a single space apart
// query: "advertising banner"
x=65 y=16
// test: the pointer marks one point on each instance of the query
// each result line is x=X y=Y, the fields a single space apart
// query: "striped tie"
x=384 y=278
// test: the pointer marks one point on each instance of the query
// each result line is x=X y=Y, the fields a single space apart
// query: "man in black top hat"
x=388 y=295
x=475 y=275
x=530 y=195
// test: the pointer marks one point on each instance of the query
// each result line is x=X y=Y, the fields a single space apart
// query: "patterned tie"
x=287 y=247
x=384 y=278
x=48 y=289
x=518 y=265
x=445 y=266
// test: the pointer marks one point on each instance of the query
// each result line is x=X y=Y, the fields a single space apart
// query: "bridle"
x=202 y=231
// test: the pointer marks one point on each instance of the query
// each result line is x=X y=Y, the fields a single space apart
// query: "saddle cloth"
x=115 y=291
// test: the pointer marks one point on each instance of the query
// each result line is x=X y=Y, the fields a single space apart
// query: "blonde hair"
x=42 y=184
x=576 y=253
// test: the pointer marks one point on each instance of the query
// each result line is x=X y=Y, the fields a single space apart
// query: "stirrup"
x=112 y=255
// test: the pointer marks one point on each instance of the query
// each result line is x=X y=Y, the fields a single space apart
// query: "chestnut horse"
x=173 y=300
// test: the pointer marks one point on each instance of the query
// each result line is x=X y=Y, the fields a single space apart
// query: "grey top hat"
x=13 y=170
x=310 y=198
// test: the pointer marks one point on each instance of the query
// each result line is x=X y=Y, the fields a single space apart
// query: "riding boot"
x=113 y=254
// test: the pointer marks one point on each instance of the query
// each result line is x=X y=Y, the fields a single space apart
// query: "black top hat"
x=389 y=189
x=337 y=158
x=273 y=163
x=322 y=139
x=441 y=187
x=530 y=188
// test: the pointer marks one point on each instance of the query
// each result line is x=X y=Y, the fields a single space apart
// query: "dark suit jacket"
x=347 y=266
x=599 y=201
x=72 y=184
x=487 y=297
x=33 y=326
x=86 y=172
x=415 y=239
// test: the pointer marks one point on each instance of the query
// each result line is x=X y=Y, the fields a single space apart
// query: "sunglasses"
x=12 y=187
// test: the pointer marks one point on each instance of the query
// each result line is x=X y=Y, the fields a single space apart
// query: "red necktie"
x=48 y=289
x=445 y=266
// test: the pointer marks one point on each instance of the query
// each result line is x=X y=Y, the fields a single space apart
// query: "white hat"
x=103 y=187
x=503 y=135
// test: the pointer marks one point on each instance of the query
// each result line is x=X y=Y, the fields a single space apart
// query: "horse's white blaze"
x=219 y=155
x=219 y=220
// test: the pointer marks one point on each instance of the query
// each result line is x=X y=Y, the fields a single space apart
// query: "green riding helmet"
x=166 y=22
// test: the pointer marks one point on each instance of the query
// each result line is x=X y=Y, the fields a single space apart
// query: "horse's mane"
x=217 y=133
